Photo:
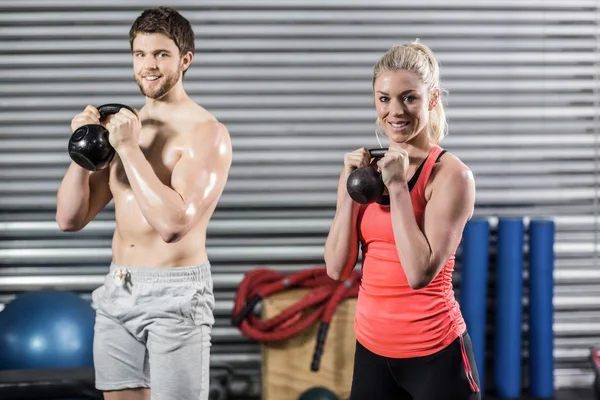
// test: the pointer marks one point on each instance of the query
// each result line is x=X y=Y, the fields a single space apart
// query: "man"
x=155 y=308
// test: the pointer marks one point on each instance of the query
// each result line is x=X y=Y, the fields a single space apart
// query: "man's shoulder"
x=207 y=132
x=197 y=123
x=204 y=121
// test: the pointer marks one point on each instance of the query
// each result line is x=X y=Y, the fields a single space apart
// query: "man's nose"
x=150 y=63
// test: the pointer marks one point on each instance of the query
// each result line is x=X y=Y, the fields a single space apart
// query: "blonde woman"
x=412 y=341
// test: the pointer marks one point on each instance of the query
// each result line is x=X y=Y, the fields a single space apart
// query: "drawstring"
x=120 y=276
x=467 y=365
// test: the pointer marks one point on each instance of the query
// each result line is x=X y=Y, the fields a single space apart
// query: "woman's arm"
x=424 y=253
x=341 y=246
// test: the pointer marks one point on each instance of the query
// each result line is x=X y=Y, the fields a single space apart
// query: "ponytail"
x=438 y=127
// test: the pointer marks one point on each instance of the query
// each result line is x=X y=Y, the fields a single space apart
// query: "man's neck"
x=174 y=97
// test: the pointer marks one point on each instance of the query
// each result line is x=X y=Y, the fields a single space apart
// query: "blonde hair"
x=418 y=58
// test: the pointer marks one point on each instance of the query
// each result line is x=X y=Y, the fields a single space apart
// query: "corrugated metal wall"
x=291 y=79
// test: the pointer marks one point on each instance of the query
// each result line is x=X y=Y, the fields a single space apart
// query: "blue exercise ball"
x=47 y=329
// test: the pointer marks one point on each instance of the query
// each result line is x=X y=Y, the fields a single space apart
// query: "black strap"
x=385 y=199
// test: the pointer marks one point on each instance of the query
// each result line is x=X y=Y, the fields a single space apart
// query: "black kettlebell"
x=364 y=184
x=318 y=393
x=89 y=146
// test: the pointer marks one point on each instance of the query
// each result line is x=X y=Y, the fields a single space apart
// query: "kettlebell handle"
x=109 y=109
x=378 y=152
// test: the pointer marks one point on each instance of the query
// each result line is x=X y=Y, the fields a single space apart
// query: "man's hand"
x=87 y=117
x=124 y=129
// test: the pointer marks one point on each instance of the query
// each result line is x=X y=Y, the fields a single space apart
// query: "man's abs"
x=136 y=244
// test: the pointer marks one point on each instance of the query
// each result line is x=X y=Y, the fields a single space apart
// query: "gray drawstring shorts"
x=153 y=330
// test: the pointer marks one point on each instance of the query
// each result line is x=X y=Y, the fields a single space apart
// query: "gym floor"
x=579 y=394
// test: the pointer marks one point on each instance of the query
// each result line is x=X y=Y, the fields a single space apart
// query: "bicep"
x=199 y=177
x=447 y=213
x=100 y=194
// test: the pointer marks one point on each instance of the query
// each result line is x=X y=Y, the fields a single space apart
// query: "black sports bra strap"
x=385 y=199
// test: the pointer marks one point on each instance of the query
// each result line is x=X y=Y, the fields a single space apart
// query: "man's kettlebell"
x=89 y=146
x=364 y=184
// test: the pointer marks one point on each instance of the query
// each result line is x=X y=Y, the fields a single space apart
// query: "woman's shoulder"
x=448 y=162
x=450 y=170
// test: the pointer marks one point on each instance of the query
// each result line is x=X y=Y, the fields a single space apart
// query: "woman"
x=412 y=341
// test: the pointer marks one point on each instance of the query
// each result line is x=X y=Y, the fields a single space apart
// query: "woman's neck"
x=417 y=148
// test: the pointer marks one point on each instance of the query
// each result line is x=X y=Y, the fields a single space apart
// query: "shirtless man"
x=155 y=307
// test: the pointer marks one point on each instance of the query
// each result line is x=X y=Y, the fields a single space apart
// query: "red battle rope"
x=318 y=304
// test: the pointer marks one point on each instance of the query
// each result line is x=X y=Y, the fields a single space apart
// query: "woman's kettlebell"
x=89 y=146
x=364 y=184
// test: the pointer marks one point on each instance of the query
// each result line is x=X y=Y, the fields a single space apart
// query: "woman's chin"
x=399 y=138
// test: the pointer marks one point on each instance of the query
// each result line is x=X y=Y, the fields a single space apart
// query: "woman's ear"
x=435 y=98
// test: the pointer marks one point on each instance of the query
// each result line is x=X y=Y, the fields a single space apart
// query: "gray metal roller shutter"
x=291 y=79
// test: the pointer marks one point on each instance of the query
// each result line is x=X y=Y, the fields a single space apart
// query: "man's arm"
x=81 y=196
x=197 y=181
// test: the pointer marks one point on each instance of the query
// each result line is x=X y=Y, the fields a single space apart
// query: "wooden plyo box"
x=286 y=365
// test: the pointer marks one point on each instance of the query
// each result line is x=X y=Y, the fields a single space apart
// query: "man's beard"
x=159 y=91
